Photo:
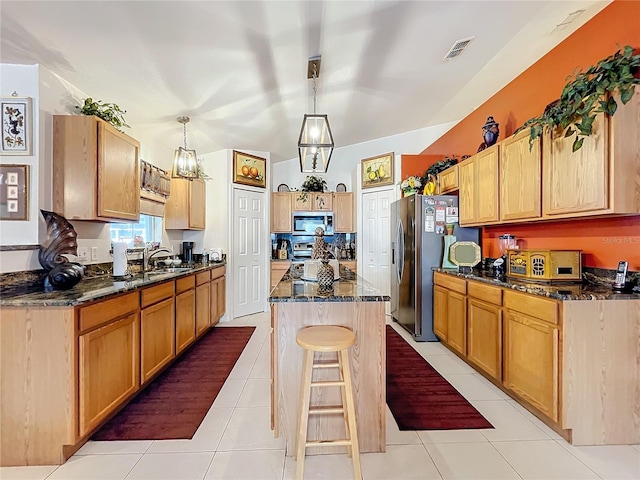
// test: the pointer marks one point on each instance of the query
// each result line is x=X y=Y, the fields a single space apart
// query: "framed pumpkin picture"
x=249 y=169
x=377 y=171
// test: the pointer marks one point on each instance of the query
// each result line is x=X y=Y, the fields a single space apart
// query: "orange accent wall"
x=603 y=241
x=416 y=164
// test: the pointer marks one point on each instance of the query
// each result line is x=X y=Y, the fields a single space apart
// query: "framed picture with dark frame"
x=377 y=171
x=14 y=192
x=17 y=126
x=249 y=170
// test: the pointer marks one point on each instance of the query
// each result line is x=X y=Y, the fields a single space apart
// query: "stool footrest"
x=328 y=443
x=337 y=383
x=321 y=410
x=326 y=365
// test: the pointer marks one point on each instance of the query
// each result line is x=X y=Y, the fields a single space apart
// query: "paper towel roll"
x=119 y=259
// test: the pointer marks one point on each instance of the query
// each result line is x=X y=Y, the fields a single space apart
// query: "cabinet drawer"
x=152 y=295
x=203 y=277
x=452 y=283
x=185 y=283
x=107 y=311
x=218 y=272
x=532 y=305
x=486 y=293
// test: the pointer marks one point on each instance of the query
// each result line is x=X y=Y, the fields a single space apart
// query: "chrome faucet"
x=146 y=256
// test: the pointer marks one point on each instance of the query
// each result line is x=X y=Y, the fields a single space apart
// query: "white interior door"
x=249 y=239
x=376 y=239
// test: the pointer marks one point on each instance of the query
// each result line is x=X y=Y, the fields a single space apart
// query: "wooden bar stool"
x=327 y=338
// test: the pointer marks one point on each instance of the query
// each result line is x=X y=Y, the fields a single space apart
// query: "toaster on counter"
x=545 y=265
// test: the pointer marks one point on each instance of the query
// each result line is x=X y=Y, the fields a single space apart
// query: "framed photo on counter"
x=377 y=171
x=249 y=169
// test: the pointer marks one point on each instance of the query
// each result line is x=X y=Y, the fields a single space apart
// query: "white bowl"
x=176 y=262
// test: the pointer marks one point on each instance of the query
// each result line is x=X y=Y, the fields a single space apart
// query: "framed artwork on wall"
x=249 y=169
x=17 y=126
x=14 y=192
x=377 y=171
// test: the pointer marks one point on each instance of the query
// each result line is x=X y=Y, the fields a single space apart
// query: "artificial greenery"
x=589 y=93
x=314 y=184
x=438 y=167
x=109 y=112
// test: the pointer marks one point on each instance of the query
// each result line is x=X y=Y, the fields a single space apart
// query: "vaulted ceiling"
x=239 y=68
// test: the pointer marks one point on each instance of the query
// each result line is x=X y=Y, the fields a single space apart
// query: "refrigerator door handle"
x=400 y=244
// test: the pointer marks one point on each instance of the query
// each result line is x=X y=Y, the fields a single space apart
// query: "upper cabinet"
x=478 y=180
x=343 y=212
x=185 y=207
x=603 y=177
x=312 y=201
x=281 y=207
x=448 y=180
x=520 y=182
x=95 y=170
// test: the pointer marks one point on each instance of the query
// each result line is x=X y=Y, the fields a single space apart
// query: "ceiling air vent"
x=458 y=47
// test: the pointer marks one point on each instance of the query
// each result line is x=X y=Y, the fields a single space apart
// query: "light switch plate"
x=94 y=253
x=82 y=253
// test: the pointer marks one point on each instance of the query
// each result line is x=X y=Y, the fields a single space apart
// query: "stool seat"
x=325 y=338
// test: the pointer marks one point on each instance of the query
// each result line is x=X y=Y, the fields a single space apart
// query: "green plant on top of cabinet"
x=520 y=177
x=95 y=170
x=281 y=208
x=186 y=206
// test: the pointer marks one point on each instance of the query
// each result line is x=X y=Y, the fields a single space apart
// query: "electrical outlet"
x=82 y=253
x=94 y=253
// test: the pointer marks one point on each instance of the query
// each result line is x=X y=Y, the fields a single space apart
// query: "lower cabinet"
x=440 y=321
x=157 y=333
x=278 y=269
x=185 y=312
x=450 y=311
x=108 y=370
x=203 y=302
x=484 y=330
x=457 y=322
x=218 y=294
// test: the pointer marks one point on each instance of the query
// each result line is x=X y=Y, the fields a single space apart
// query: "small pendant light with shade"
x=185 y=162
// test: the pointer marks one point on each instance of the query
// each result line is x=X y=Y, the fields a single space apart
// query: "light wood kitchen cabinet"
x=203 y=302
x=343 y=212
x=281 y=212
x=448 y=180
x=157 y=329
x=520 y=178
x=186 y=206
x=602 y=177
x=350 y=264
x=484 y=331
x=185 y=312
x=278 y=269
x=450 y=311
x=312 y=201
x=108 y=372
x=218 y=294
x=531 y=351
x=478 y=178
x=95 y=170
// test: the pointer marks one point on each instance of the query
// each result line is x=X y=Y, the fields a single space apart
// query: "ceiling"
x=239 y=68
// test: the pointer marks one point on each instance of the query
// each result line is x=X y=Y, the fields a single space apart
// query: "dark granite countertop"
x=349 y=288
x=33 y=294
x=557 y=291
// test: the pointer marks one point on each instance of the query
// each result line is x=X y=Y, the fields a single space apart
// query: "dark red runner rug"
x=175 y=403
x=419 y=397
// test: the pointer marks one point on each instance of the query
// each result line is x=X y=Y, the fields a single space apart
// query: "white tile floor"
x=234 y=441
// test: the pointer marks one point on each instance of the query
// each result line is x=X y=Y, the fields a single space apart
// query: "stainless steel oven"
x=305 y=223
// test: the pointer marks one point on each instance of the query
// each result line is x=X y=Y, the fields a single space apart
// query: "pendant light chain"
x=315 y=88
x=184 y=130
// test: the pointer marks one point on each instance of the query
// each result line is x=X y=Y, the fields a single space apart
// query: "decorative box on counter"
x=545 y=265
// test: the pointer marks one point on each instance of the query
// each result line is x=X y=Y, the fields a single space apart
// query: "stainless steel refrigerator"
x=419 y=224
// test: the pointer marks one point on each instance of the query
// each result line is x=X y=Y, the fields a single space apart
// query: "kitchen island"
x=353 y=303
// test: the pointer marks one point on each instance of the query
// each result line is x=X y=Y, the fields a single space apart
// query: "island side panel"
x=368 y=366
x=601 y=378
x=38 y=408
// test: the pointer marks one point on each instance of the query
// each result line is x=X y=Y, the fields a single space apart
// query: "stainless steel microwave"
x=305 y=223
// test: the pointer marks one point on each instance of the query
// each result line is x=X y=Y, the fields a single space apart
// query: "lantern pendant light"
x=185 y=163
x=315 y=144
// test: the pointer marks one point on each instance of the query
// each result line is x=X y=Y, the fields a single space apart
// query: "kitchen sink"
x=165 y=271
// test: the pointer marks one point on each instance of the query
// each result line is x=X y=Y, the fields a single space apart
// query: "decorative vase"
x=325 y=275
x=490 y=133
x=448 y=241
